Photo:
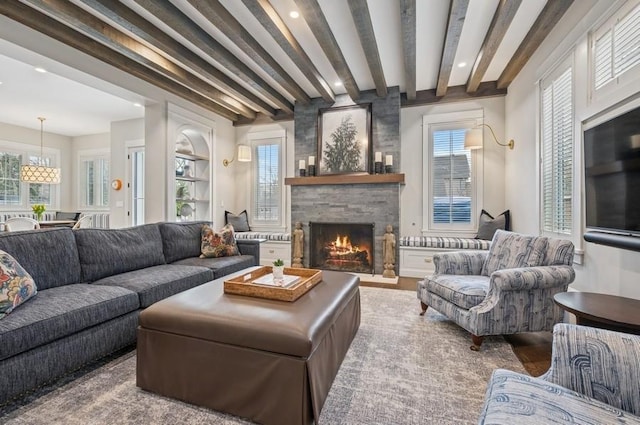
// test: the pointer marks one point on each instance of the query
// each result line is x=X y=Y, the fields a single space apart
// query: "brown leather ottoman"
x=272 y=362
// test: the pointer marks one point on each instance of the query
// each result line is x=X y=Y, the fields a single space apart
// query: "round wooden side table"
x=602 y=310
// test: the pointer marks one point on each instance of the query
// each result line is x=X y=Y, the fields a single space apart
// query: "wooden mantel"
x=346 y=179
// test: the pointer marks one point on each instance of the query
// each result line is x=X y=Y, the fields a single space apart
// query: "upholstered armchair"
x=594 y=378
x=506 y=290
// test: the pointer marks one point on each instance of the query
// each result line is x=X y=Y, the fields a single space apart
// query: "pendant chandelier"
x=40 y=173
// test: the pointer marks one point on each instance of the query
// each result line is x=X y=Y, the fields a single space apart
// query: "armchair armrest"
x=467 y=262
x=526 y=278
x=598 y=363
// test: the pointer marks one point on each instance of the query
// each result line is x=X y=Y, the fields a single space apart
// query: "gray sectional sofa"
x=92 y=284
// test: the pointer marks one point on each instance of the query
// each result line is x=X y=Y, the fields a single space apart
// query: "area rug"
x=401 y=369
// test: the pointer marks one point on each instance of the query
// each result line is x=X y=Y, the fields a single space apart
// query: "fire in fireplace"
x=342 y=246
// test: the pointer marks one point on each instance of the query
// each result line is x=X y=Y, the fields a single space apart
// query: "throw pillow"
x=16 y=285
x=488 y=225
x=512 y=250
x=218 y=244
x=240 y=222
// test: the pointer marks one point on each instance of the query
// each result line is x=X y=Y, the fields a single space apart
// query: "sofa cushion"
x=181 y=240
x=513 y=398
x=16 y=285
x=106 y=252
x=48 y=255
x=465 y=291
x=512 y=250
x=61 y=311
x=218 y=244
x=155 y=283
x=221 y=266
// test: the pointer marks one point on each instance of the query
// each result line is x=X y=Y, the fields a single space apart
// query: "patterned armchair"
x=506 y=290
x=594 y=378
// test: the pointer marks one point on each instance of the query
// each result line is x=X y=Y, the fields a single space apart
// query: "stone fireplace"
x=347 y=247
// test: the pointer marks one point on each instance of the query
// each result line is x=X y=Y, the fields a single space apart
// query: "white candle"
x=301 y=164
x=389 y=160
x=378 y=156
x=312 y=160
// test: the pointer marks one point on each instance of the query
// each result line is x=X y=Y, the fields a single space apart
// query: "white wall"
x=12 y=133
x=411 y=150
x=604 y=269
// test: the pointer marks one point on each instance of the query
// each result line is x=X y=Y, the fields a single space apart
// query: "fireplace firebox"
x=344 y=247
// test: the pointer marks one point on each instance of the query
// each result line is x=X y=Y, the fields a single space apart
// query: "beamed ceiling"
x=249 y=60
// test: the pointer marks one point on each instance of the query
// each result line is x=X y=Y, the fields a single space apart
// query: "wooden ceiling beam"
x=127 y=19
x=454 y=94
x=51 y=27
x=499 y=25
x=312 y=13
x=264 y=12
x=547 y=19
x=364 y=26
x=183 y=25
x=457 y=13
x=220 y=17
x=408 y=29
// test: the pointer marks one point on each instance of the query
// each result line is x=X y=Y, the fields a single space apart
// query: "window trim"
x=253 y=140
x=85 y=155
x=471 y=118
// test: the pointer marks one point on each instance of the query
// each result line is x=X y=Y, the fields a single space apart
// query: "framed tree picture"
x=344 y=140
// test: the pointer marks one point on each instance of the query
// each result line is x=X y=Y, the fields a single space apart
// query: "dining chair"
x=20 y=223
x=84 y=222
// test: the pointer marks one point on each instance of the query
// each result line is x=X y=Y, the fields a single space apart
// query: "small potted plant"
x=38 y=210
x=278 y=269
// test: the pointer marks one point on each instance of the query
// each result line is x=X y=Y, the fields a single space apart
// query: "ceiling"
x=250 y=60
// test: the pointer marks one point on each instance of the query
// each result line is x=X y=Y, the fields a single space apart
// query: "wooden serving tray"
x=242 y=285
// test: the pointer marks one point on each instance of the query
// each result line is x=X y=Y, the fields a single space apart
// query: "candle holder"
x=388 y=168
x=377 y=167
x=303 y=172
x=311 y=170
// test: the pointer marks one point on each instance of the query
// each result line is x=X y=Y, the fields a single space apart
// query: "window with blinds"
x=267 y=188
x=10 y=178
x=616 y=47
x=557 y=153
x=451 y=189
x=94 y=182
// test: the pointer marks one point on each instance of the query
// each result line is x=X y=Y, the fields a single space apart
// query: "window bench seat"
x=416 y=252
x=277 y=245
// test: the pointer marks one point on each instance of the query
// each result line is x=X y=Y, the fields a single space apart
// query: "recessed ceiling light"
x=462 y=64
x=337 y=83
x=40 y=69
x=294 y=14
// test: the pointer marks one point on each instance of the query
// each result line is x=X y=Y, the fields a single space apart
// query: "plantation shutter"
x=557 y=154
x=617 y=49
x=267 y=193
x=451 y=178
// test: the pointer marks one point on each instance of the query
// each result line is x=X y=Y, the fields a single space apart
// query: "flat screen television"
x=612 y=175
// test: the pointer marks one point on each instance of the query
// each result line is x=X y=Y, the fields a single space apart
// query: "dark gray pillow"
x=488 y=225
x=240 y=222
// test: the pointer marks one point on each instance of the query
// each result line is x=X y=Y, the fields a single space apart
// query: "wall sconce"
x=243 y=153
x=473 y=138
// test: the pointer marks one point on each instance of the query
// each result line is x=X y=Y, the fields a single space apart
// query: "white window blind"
x=451 y=178
x=557 y=154
x=267 y=191
x=617 y=48
x=10 y=178
x=94 y=182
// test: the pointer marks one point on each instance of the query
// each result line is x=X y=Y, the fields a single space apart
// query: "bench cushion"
x=283 y=237
x=442 y=242
x=465 y=291
x=58 y=312
x=158 y=282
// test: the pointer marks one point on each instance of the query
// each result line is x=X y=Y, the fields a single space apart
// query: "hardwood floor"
x=532 y=349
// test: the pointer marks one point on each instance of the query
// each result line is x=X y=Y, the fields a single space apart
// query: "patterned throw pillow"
x=218 y=244
x=512 y=250
x=16 y=285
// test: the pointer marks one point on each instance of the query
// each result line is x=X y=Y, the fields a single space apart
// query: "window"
x=451 y=183
x=18 y=195
x=616 y=45
x=267 y=205
x=94 y=179
x=557 y=152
